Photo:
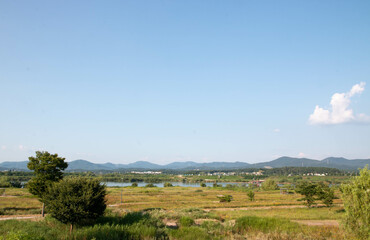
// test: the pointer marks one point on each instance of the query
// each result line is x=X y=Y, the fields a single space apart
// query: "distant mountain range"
x=83 y=165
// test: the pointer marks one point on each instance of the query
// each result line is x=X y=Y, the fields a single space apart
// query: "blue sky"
x=164 y=81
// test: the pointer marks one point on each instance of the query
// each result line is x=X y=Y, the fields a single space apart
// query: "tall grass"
x=264 y=224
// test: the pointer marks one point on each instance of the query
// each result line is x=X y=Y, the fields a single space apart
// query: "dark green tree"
x=308 y=190
x=356 y=199
x=48 y=168
x=74 y=200
x=325 y=194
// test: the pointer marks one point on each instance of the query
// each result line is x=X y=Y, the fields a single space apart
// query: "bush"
x=186 y=221
x=250 y=195
x=203 y=185
x=269 y=184
x=356 y=199
x=73 y=200
x=150 y=185
x=167 y=184
x=225 y=198
x=134 y=184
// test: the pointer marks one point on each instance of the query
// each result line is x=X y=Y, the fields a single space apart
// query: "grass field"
x=186 y=213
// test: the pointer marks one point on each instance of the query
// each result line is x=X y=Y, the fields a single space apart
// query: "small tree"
x=73 y=200
x=48 y=168
x=325 y=194
x=308 y=190
x=167 y=184
x=250 y=195
x=225 y=198
x=356 y=199
x=269 y=184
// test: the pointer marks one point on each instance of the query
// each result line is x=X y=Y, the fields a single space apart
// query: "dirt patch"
x=199 y=221
x=170 y=223
x=333 y=223
x=37 y=217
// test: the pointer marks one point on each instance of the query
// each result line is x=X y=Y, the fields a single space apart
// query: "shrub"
x=269 y=184
x=134 y=184
x=167 y=184
x=225 y=198
x=250 y=195
x=186 y=221
x=150 y=185
x=73 y=200
x=203 y=185
x=356 y=199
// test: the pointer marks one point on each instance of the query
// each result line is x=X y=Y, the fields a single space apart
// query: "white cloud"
x=340 y=111
x=301 y=155
x=276 y=130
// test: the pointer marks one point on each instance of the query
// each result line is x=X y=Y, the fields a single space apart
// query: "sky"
x=164 y=81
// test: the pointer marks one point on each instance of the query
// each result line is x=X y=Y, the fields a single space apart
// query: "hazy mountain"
x=86 y=165
x=288 y=162
x=83 y=165
x=143 y=165
x=14 y=165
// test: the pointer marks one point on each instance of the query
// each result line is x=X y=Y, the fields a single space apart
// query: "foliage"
x=186 y=221
x=4 y=182
x=356 y=199
x=269 y=184
x=167 y=184
x=225 y=198
x=47 y=168
x=150 y=185
x=191 y=233
x=217 y=185
x=325 y=194
x=313 y=192
x=134 y=184
x=203 y=185
x=264 y=224
x=73 y=200
x=308 y=190
x=250 y=195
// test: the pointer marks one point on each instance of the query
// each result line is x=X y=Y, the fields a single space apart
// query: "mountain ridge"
x=84 y=165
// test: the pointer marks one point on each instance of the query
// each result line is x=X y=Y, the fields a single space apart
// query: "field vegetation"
x=174 y=212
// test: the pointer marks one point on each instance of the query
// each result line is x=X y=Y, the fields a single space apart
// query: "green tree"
x=250 y=195
x=167 y=184
x=356 y=199
x=308 y=190
x=48 y=168
x=325 y=194
x=77 y=199
x=269 y=184
x=225 y=198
